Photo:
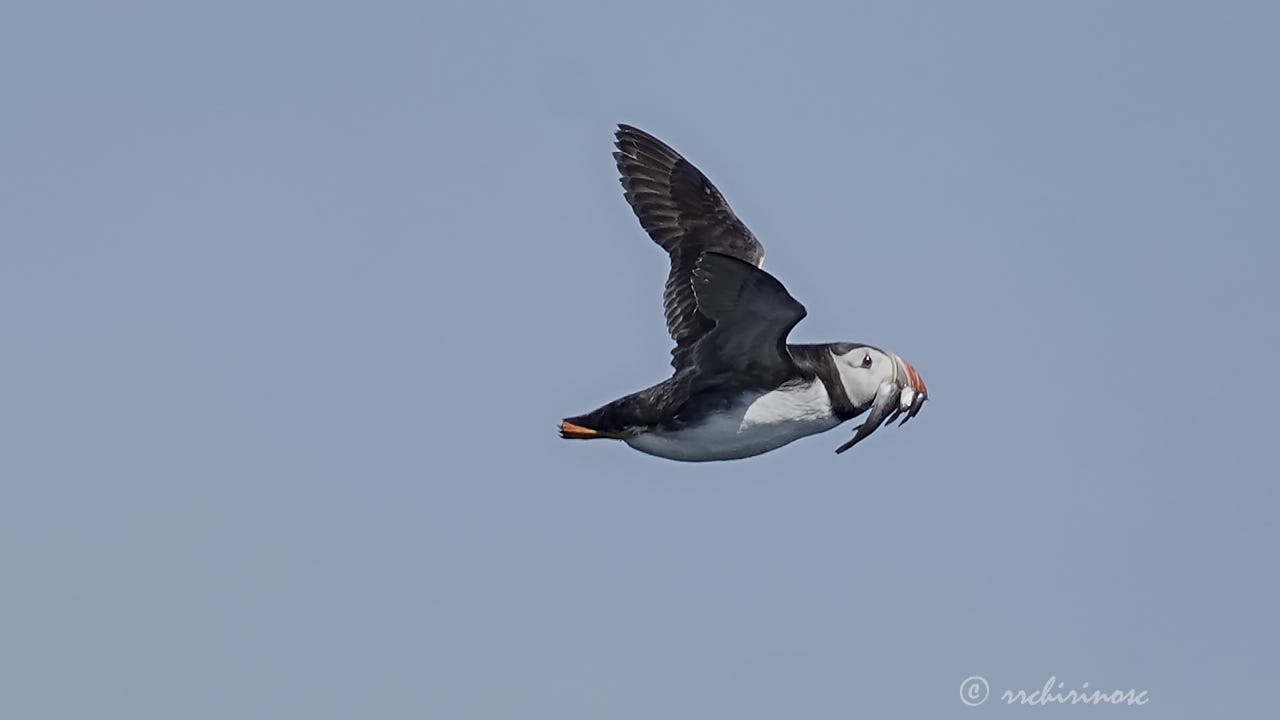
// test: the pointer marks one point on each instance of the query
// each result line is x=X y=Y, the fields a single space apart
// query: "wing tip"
x=643 y=142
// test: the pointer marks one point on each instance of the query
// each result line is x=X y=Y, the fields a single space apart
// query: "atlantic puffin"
x=738 y=389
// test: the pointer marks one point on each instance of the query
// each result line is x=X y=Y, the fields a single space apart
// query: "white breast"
x=757 y=423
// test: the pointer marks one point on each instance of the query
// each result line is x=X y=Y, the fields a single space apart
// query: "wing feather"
x=687 y=216
x=752 y=313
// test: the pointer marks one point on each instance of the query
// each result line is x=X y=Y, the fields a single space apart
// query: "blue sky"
x=292 y=296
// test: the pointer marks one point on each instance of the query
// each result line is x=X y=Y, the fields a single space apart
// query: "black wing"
x=685 y=214
x=752 y=313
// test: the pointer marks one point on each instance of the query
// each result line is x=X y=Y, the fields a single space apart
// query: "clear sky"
x=292 y=296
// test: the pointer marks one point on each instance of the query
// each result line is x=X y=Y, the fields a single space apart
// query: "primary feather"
x=687 y=216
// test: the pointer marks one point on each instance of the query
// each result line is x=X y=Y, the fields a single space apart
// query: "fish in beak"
x=903 y=393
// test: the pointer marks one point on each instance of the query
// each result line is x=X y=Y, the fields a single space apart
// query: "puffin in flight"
x=738 y=388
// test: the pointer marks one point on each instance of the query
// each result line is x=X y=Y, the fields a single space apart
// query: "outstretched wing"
x=685 y=214
x=752 y=314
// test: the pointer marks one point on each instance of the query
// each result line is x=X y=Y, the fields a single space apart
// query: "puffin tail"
x=573 y=431
x=569 y=431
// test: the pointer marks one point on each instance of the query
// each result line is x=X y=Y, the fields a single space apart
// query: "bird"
x=737 y=389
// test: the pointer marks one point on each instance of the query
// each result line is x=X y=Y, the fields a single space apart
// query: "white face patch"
x=862 y=369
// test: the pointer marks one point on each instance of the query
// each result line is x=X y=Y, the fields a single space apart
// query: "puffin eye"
x=866 y=360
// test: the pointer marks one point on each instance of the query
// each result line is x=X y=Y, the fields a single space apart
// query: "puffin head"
x=881 y=382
